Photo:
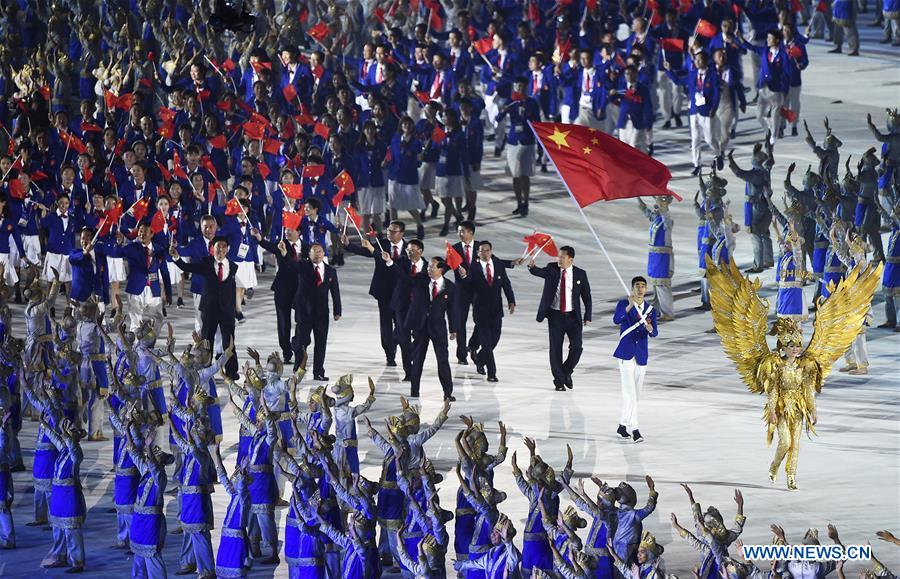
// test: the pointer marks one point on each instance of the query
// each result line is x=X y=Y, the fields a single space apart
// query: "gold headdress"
x=787 y=331
x=649 y=544
x=343 y=387
x=319 y=396
x=572 y=519
x=254 y=380
x=397 y=426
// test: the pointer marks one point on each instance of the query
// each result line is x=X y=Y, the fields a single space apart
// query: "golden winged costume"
x=789 y=383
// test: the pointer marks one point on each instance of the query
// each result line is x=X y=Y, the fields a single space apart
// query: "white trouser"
x=858 y=352
x=702 y=128
x=637 y=138
x=768 y=110
x=632 y=376
x=670 y=97
x=144 y=305
x=587 y=118
x=724 y=122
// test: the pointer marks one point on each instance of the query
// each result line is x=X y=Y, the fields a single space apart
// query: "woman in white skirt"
x=473 y=130
x=425 y=131
x=403 y=174
x=520 y=147
x=61 y=226
x=370 y=177
x=451 y=169
x=9 y=237
x=115 y=266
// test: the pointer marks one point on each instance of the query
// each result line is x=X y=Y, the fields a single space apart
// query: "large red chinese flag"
x=596 y=166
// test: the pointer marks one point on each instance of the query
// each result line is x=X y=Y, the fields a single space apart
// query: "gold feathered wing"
x=840 y=317
x=740 y=319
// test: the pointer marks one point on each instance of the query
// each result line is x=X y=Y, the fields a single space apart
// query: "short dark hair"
x=418 y=243
x=399 y=224
x=88 y=229
x=441 y=263
x=219 y=238
x=638 y=278
x=313 y=202
x=568 y=250
x=486 y=242
x=468 y=225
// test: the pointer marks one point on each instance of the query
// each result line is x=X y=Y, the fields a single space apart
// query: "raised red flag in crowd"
x=596 y=166
x=706 y=28
x=233 y=207
x=452 y=257
x=541 y=241
x=292 y=191
x=291 y=219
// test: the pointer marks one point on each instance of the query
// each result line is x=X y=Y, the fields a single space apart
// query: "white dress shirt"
x=569 y=283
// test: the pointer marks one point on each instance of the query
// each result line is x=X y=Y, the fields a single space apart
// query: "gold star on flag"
x=586 y=150
x=559 y=137
x=595 y=141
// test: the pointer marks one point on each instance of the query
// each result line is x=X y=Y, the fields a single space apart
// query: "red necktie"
x=490 y=276
x=379 y=77
x=396 y=252
x=221 y=272
x=319 y=279
x=211 y=252
x=413 y=274
x=562 y=292
x=149 y=261
x=468 y=255
x=434 y=291
x=436 y=86
x=534 y=84
x=587 y=82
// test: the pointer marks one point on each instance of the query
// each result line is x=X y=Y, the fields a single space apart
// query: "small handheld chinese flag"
x=672 y=44
x=140 y=209
x=313 y=171
x=255 y=131
x=233 y=207
x=319 y=32
x=345 y=186
x=706 y=28
x=293 y=191
x=787 y=114
x=438 y=134
x=218 y=142
x=158 y=223
x=452 y=257
x=72 y=142
x=272 y=146
x=166 y=175
x=543 y=241
x=322 y=130
x=354 y=216
x=289 y=92
x=795 y=51
x=483 y=46
x=291 y=219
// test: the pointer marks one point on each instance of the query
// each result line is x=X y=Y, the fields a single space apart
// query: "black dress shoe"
x=836 y=50
x=189 y=570
x=622 y=431
x=450 y=398
x=390 y=363
x=480 y=369
x=569 y=383
x=794 y=132
x=887 y=325
x=288 y=356
x=444 y=230
x=636 y=436
x=492 y=379
x=667 y=125
x=696 y=171
x=560 y=388
x=720 y=162
x=405 y=378
x=320 y=378
x=524 y=211
x=702 y=308
x=678 y=121
x=462 y=361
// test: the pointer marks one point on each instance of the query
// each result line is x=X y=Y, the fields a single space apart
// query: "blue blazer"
x=140 y=275
x=89 y=276
x=634 y=345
